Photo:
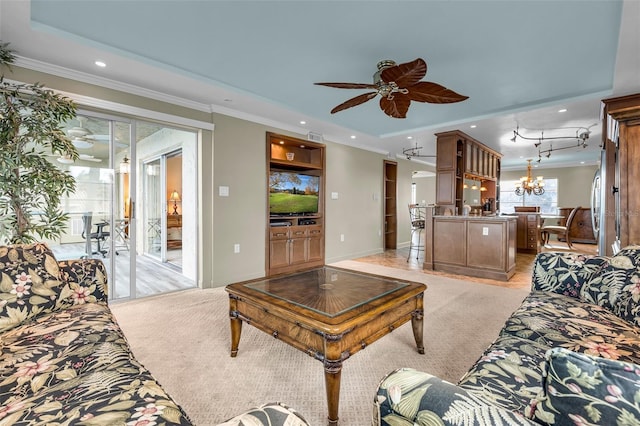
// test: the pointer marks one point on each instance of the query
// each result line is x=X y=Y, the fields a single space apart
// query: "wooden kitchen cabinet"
x=459 y=156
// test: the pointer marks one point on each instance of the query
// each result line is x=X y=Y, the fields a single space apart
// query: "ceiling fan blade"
x=425 y=91
x=395 y=106
x=349 y=85
x=360 y=99
x=406 y=74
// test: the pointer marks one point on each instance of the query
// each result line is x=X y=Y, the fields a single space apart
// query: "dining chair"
x=416 y=216
x=561 y=231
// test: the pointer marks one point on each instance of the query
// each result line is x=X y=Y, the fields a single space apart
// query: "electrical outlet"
x=342 y=238
x=236 y=248
x=485 y=230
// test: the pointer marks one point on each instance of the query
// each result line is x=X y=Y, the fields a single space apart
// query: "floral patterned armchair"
x=570 y=354
x=65 y=360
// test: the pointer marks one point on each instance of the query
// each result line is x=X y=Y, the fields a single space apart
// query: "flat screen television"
x=293 y=193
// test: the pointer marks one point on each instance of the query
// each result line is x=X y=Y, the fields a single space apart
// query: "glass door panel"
x=168 y=203
x=153 y=210
x=97 y=226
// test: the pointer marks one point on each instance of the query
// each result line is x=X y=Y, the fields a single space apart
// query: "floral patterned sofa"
x=63 y=358
x=569 y=355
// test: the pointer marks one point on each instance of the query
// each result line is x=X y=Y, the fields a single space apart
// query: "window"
x=548 y=201
x=413 y=193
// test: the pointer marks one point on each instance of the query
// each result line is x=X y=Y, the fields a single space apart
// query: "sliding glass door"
x=119 y=212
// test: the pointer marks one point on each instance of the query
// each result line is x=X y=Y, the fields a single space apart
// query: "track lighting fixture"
x=581 y=134
x=415 y=152
x=581 y=144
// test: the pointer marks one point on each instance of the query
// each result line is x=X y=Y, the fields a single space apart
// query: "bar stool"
x=416 y=216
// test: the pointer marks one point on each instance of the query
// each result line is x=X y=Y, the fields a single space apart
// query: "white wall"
x=574 y=183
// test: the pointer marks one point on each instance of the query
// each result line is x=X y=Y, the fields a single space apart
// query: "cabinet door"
x=446 y=188
x=298 y=250
x=278 y=253
x=315 y=248
x=446 y=153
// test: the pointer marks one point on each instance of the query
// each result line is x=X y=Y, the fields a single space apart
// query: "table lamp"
x=175 y=197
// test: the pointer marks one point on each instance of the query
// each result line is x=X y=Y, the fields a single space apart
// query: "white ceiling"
x=518 y=61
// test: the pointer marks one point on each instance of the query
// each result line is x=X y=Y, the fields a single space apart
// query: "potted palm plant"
x=31 y=187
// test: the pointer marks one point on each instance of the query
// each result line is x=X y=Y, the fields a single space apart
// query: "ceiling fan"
x=83 y=138
x=397 y=86
x=66 y=159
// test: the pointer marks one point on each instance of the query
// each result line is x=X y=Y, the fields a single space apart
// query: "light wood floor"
x=521 y=279
x=152 y=276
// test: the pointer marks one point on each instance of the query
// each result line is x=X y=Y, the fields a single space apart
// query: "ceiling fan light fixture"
x=81 y=143
x=78 y=132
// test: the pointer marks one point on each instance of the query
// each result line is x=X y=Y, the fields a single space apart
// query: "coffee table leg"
x=416 y=323
x=332 y=371
x=236 y=326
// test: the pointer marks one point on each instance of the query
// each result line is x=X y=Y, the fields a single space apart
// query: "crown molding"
x=83 y=77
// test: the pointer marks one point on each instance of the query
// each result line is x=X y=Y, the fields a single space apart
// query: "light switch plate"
x=334 y=195
x=223 y=191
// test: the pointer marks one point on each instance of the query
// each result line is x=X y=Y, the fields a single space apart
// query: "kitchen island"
x=478 y=246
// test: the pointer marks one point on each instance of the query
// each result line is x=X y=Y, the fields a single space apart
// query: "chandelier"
x=529 y=185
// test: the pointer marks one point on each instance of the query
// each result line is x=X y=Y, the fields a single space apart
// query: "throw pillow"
x=582 y=389
x=617 y=286
x=565 y=274
x=273 y=413
x=632 y=253
x=29 y=283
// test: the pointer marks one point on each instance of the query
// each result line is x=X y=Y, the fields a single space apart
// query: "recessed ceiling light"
x=353 y=136
x=473 y=126
x=562 y=110
x=100 y=64
x=303 y=122
x=302 y=146
x=582 y=162
x=281 y=142
x=409 y=137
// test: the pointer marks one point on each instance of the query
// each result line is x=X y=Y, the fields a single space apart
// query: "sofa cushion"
x=76 y=365
x=555 y=320
x=508 y=374
x=30 y=283
x=617 y=287
x=565 y=273
x=581 y=389
x=59 y=346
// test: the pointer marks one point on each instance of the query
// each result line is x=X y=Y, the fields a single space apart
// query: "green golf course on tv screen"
x=292 y=193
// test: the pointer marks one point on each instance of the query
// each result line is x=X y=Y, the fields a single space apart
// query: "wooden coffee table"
x=328 y=313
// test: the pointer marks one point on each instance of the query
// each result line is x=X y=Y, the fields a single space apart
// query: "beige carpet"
x=183 y=338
